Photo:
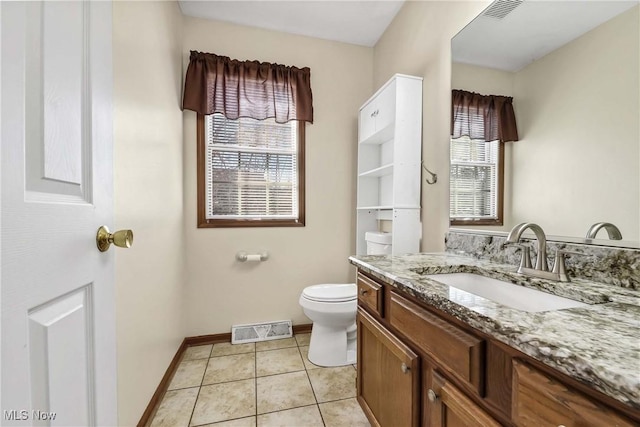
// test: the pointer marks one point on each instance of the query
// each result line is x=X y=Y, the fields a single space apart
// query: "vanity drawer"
x=542 y=401
x=457 y=350
x=370 y=294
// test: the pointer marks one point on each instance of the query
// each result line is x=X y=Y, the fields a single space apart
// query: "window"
x=250 y=172
x=476 y=181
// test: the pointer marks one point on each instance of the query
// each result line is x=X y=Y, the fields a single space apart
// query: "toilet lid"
x=331 y=292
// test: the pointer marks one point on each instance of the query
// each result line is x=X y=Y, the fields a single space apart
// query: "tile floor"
x=270 y=383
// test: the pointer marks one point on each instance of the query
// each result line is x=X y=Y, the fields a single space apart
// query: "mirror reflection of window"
x=480 y=124
x=474 y=179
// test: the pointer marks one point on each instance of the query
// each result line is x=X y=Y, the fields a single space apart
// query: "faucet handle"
x=559 y=266
x=525 y=259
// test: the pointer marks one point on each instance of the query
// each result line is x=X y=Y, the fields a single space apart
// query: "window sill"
x=482 y=221
x=229 y=223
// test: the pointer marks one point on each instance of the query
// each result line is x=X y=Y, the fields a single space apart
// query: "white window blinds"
x=474 y=179
x=251 y=168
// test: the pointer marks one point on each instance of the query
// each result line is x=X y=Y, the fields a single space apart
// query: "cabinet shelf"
x=382 y=208
x=381 y=136
x=378 y=172
x=374 y=208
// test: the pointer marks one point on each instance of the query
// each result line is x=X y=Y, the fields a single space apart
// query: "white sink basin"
x=505 y=293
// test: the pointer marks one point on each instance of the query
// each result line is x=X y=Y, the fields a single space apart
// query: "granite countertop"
x=598 y=345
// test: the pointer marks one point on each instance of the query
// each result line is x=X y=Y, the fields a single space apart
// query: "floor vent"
x=261 y=332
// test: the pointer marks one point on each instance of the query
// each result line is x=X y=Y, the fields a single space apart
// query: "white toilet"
x=332 y=308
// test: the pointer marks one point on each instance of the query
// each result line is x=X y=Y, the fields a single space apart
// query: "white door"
x=58 y=317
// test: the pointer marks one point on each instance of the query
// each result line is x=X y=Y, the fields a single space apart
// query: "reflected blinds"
x=474 y=178
x=251 y=168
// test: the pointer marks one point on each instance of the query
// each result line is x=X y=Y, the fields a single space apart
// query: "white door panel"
x=58 y=303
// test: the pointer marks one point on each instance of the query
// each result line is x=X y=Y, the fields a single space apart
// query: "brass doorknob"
x=121 y=238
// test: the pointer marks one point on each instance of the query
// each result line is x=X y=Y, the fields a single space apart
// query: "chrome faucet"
x=612 y=230
x=541 y=260
x=541 y=269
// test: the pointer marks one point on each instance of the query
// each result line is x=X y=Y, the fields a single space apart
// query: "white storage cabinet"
x=389 y=155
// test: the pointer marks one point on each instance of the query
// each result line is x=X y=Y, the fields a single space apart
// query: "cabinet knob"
x=363 y=291
x=405 y=368
x=432 y=396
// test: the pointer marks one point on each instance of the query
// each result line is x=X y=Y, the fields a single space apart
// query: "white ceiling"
x=532 y=30
x=355 y=22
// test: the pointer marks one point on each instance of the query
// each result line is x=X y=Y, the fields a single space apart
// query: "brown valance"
x=260 y=90
x=486 y=117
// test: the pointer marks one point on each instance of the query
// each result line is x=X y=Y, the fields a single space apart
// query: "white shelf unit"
x=389 y=154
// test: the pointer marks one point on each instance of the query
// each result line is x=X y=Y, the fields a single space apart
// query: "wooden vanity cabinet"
x=447 y=406
x=418 y=366
x=539 y=400
x=388 y=381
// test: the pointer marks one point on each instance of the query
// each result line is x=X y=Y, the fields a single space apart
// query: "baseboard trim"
x=150 y=411
x=302 y=329
x=152 y=407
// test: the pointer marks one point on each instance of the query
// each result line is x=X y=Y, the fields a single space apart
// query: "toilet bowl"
x=332 y=309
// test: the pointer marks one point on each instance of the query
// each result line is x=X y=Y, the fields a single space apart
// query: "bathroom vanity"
x=434 y=355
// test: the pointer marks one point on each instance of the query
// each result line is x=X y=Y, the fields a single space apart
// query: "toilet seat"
x=331 y=293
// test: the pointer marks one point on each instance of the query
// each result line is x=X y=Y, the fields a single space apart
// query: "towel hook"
x=434 y=177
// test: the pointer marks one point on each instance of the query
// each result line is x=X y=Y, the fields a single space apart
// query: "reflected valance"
x=486 y=117
x=260 y=90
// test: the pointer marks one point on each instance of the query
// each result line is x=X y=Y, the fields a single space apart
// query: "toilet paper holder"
x=243 y=256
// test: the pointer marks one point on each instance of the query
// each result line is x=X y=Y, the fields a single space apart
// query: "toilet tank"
x=378 y=242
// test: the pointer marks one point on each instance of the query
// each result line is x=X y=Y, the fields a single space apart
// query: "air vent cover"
x=501 y=8
x=261 y=331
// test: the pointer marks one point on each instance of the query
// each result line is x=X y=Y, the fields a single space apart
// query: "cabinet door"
x=367 y=121
x=447 y=406
x=541 y=401
x=388 y=376
x=385 y=112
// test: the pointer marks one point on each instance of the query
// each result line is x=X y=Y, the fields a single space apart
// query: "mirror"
x=572 y=68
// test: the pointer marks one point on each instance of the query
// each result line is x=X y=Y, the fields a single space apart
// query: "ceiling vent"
x=501 y=8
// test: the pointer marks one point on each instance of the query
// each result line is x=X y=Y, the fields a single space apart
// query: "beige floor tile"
x=305 y=358
x=333 y=383
x=303 y=339
x=284 y=391
x=308 y=416
x=197 y=352
x=188 y=374
x=275 y=344
x=278 y=361
x=343 y=413
x=240 y=422
x=175 y=408
x=230 y=368
x=226 y=401
x=226 y=349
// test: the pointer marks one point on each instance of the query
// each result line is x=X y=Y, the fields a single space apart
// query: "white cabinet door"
x=367 y=121
x=379 y=113
x=386 y=107
x=58 y=303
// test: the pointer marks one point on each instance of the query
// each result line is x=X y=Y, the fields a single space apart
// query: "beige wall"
x=148 y=197
x=486 y=81
x=418 y=42
x=579 y=123
x=221 y=291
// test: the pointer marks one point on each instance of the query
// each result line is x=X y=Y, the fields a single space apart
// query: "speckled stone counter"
x=598 y=345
